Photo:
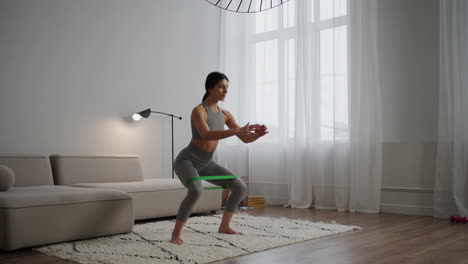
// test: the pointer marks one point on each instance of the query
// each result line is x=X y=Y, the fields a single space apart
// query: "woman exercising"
x=196 y=159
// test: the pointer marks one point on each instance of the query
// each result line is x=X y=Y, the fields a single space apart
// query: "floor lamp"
x=146 y=113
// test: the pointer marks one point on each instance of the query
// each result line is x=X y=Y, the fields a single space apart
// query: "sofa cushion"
x=161 y=197
x=38 y=215
x=56 y=195
x=29 y=170
x=147 y=185
x=69 y=170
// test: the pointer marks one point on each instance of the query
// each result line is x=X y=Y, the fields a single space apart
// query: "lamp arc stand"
x=172 y=134
x=147 y=112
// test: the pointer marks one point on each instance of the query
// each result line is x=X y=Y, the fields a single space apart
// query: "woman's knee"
x=195 y=190
x=238 y=186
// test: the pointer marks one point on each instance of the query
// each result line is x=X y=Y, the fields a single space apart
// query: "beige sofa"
x=63 y=198
x=153 y=198
x=36 y=212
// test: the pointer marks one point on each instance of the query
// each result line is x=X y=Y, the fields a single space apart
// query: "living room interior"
x=363 y=100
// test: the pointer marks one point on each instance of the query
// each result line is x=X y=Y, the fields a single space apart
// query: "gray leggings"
x=194 y=162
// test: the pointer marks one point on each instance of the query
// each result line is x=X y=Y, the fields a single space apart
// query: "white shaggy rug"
x=149 y=242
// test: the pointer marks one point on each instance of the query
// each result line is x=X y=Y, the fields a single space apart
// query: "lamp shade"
x=145 y=113
x=249 y=6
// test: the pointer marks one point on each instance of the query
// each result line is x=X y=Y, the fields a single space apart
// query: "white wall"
x=72 y=72
x=409 y=56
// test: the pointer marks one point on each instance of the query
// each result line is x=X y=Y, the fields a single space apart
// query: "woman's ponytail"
x=205 y=96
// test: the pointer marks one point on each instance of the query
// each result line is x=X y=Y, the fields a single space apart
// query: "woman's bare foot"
x=176 y=240
x=228 y=230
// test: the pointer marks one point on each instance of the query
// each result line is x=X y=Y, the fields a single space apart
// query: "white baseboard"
x=406 y=189
x=405 y=209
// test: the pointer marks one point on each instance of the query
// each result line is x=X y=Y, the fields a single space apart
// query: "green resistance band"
x=221 y=177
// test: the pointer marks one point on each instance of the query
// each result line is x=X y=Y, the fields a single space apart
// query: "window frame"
x=282 y=35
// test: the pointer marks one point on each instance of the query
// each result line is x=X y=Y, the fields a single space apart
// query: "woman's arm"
x=199 y=117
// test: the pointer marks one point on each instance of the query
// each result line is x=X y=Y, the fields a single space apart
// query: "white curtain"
x=308 y=70
x=451 y=185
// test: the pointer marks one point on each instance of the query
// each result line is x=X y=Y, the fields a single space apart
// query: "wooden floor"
x=384 y=238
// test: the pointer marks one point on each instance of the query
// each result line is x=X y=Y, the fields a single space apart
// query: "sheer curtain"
x=308 y=70
x=451 y=185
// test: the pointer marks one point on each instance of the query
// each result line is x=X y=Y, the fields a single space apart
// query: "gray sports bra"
x=215 y=121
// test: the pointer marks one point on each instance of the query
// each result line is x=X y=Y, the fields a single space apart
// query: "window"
x=274 y=46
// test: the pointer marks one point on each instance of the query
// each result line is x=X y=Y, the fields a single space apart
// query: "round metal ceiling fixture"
x=246 y=6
